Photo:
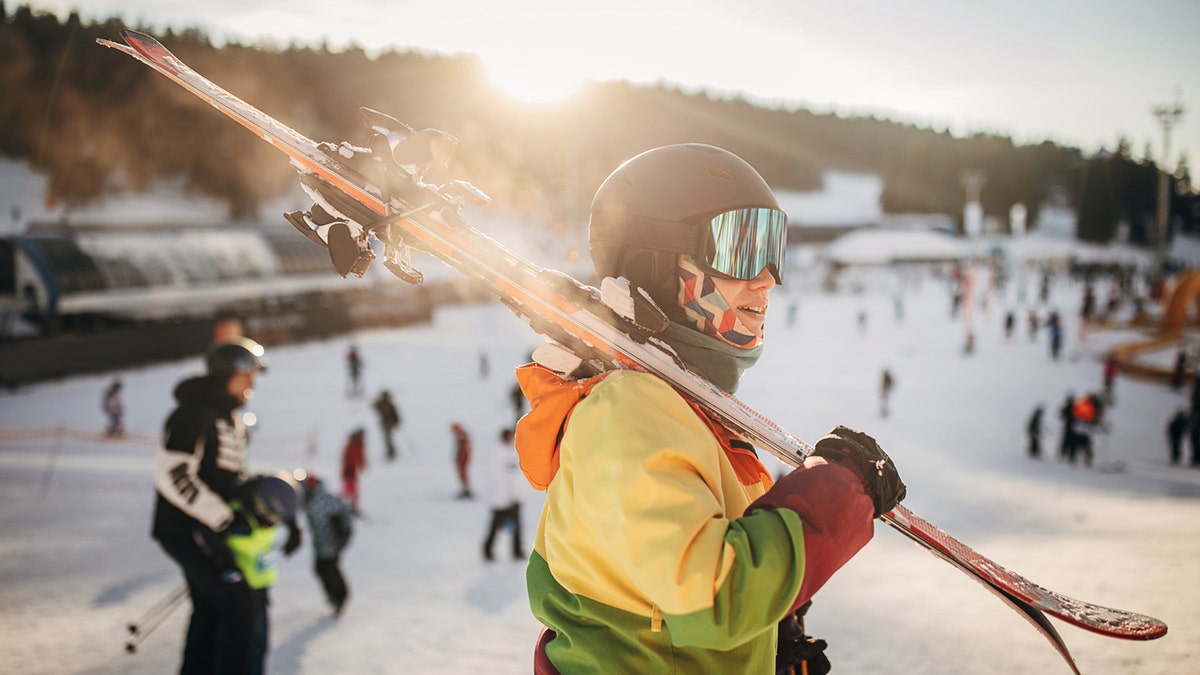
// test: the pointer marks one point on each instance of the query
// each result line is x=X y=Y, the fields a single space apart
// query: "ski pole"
x=141 y=628
x=52 y=462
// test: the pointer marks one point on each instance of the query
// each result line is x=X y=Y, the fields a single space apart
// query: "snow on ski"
x=358 y=197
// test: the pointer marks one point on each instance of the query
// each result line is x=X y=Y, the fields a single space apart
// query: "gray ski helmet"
x=272 y=498
x=237 y=355
x=653 y=207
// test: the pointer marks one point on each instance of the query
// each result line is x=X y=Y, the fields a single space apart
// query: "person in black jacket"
x=389 y=419
x=1176 y=428
x=201 y=463
x=1033 y=432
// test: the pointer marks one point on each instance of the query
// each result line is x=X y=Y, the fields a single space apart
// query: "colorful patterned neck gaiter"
x=707 y=310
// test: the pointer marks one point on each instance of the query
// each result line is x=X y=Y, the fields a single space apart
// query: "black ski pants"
x=332 y=581
x=391 y=445
x=507 y=517
x=221 y=633
x=260 y=631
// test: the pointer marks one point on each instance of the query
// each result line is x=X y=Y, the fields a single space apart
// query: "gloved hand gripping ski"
x=862 y=453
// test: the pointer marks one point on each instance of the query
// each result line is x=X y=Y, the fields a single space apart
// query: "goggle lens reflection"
x=745 y=241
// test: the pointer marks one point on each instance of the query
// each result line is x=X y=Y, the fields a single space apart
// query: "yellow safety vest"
x=255 y=553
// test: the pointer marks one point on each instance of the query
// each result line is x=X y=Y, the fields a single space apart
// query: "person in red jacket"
x=354 y=462
x=664 y=545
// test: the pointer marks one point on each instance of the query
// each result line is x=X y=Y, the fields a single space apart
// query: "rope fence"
x=56 y=435
x=134 y=438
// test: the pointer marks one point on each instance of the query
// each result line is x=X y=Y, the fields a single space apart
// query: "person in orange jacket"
x=664 y=545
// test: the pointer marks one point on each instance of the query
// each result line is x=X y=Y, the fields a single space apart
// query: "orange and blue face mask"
x=707 y=309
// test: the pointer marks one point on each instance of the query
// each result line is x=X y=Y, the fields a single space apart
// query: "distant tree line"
x=97 y=123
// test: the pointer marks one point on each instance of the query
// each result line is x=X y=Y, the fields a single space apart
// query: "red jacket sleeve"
x=835 y=512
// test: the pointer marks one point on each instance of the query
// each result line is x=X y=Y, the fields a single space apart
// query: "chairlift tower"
x=1168 y=115
x=973 y=181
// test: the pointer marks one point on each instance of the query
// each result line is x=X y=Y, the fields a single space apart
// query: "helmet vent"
x=719 y=173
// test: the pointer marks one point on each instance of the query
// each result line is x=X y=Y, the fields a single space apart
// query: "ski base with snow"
x=380 y=191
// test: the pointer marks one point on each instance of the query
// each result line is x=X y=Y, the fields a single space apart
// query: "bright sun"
x=531 y=81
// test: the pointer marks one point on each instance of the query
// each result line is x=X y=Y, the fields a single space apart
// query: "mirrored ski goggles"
x=745 y=241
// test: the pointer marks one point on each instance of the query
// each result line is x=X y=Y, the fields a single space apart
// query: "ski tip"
x=130 y=35
x=151 y=50
x=144 y=44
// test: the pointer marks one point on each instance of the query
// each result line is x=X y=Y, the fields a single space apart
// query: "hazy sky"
x=1079 y=72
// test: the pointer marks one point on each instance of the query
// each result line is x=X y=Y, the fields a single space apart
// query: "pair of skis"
x=380 y=191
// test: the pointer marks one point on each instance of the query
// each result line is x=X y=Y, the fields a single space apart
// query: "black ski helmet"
x=653 y=207
x=273 y=499
x=236 y=355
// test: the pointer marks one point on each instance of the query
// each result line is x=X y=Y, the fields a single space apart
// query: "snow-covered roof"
x=845 y=199
x=872 y=246
x=1038 y=247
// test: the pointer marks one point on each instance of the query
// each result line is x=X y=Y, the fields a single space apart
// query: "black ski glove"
x=799 y=653
x=213 y=543
x=240 y=525
x=293 y=540
x=855 y=449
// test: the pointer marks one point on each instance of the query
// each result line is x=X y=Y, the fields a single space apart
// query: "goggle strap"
x=651 y=233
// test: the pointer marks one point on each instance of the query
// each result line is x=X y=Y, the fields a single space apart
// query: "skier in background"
x=262 y=503
x=462 y=459
x=1054 y=326
x=1176 y=428
x=1066 y=413
x=1179 y=372
x=1088 y=414
x=389 y=420
x=1087 y=308
x=885 y=391
x=1033 y=432
x=354 y=462
x=1110 y=377
x=114 y=409
x=517 y=399
x=504 y=496
x=330 y=524
x=1194 y=422
x=200 y=464
x=354 y=366
x=664 y=544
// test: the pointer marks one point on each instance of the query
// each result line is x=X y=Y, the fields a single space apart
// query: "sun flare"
x=531 y=81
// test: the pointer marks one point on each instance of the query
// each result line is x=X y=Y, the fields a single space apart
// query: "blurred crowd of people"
x=226 y=528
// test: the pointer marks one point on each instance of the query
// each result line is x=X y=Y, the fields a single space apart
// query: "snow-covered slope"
x=76 y=561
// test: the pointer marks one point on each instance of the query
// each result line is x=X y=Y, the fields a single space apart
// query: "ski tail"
x=1106 y=621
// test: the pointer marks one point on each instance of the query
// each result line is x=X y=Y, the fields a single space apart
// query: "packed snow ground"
x=77 y=564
